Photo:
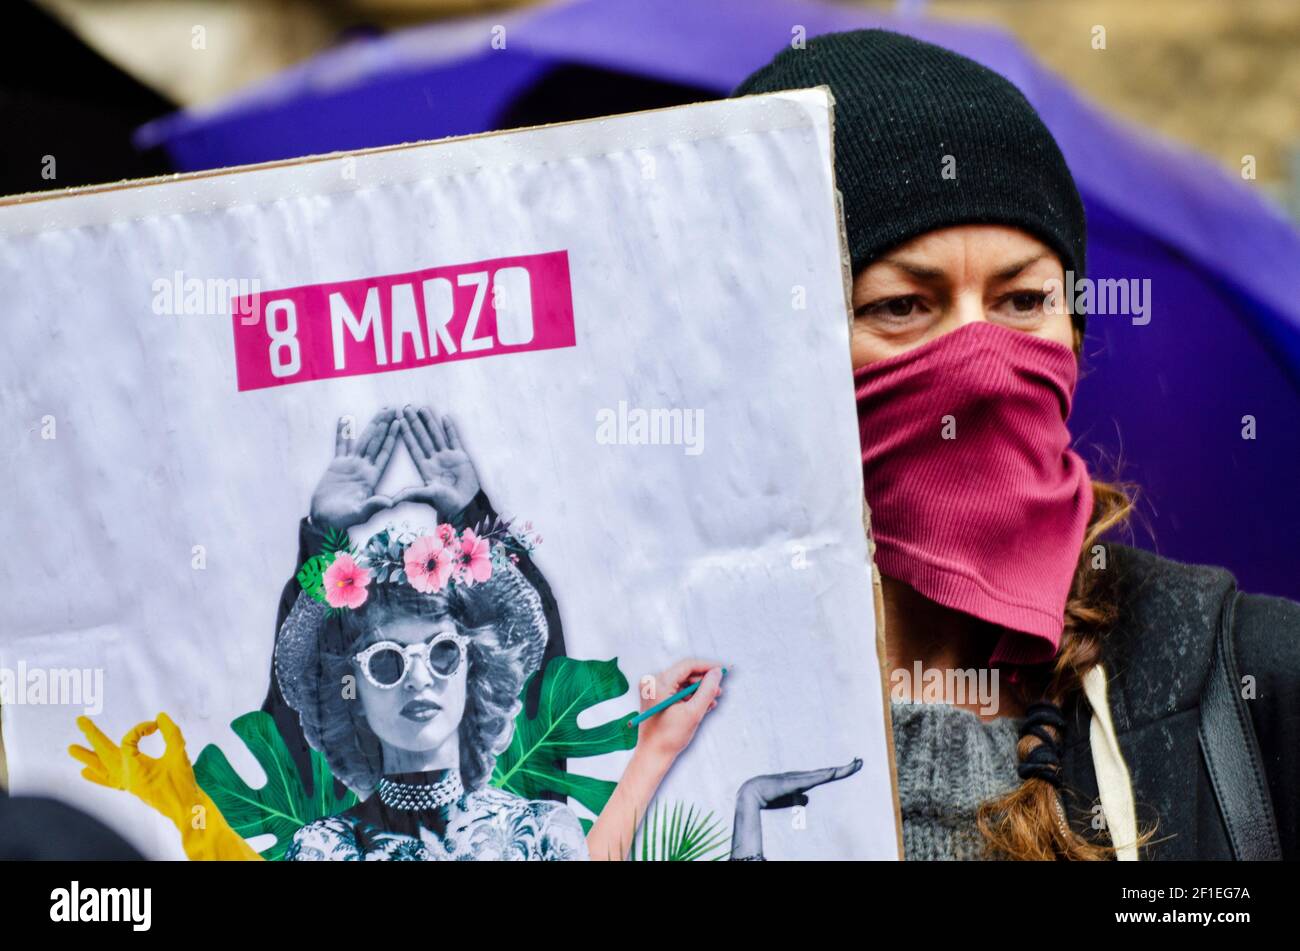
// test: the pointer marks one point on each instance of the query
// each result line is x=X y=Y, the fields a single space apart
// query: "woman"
x=439 y=655
x=403 y=664
x=1125 y=668
x=437 y=679
x=347 y=496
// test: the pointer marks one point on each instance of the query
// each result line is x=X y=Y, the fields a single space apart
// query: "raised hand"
x=776 y=791
x=659 y=741
x=166 y=783
x=670 y=731
x=345 y=495
x=783 y=790
x=449 y=479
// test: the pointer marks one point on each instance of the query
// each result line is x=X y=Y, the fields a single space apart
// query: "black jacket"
x=1159 y=660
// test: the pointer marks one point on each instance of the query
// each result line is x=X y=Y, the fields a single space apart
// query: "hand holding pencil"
x=670 y=730
x=665 y=726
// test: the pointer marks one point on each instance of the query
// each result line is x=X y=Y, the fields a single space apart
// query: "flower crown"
x=341 y=575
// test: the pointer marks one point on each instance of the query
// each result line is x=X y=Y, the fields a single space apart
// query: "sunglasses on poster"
x=386 y=663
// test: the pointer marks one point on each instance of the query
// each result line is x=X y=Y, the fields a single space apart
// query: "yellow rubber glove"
x=166 y=783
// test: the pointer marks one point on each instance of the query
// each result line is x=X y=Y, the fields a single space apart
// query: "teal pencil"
x=665 y=704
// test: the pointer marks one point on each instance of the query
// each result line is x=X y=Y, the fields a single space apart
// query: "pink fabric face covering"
x=977 y=500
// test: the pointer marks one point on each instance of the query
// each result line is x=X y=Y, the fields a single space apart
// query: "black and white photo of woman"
x=438 y=673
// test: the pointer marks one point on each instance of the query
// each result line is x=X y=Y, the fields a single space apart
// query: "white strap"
x=1113 y=783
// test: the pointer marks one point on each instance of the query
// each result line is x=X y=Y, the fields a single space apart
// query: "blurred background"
x=1180 y=120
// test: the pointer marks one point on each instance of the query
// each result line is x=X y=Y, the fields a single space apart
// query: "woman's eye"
x=893 y=308
x=1025 y=302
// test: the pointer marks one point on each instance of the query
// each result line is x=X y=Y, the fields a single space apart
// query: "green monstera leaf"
x=281 y=807
x=530 y=765
x=311 y=576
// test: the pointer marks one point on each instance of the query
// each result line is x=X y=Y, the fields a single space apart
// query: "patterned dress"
x=484 y=825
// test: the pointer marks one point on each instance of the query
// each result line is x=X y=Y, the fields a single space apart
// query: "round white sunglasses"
x=385 y=663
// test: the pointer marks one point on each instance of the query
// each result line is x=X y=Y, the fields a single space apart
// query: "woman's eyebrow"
x=919 y=271
x=1007 y=273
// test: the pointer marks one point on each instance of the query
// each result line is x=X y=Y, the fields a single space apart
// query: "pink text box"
x=400 y=321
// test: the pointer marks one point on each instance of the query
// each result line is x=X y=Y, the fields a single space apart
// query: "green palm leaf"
x=280 y=807
x=529 y=767
x=679 y=834
x=311 y=576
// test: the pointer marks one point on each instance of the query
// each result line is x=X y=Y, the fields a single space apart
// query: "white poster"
x=384 y=490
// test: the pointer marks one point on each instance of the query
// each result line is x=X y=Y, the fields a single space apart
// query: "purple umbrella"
x=1171 y=399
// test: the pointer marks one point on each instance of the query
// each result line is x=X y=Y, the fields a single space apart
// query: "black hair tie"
x=1044 y=760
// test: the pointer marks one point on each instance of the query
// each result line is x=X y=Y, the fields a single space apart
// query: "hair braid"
x=1029 y=823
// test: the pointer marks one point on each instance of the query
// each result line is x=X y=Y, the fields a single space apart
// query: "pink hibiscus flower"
x=446 y=534
x=474 y=563
x=345 y=583
x=428 y=563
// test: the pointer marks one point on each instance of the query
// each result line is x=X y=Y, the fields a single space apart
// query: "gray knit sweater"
x=949 y=761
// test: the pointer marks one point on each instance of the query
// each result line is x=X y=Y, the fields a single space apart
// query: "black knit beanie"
x=902 y=107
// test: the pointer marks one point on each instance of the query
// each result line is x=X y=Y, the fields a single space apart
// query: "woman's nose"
x=968 y=308
x=417 y=674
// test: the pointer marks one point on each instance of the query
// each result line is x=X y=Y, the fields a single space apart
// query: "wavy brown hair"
x=1029 y=823
x=334 y=722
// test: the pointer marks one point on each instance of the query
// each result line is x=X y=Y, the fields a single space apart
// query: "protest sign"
x=353 y=464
